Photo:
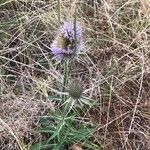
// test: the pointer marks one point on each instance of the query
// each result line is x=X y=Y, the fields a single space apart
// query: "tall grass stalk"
x=58 y=10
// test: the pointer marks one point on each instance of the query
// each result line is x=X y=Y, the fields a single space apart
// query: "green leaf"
x=57 y=131
x=90 y=145
x=45 y=121
x=46 y=130
x=42 y=146
x=81 y=133
x=50 y=97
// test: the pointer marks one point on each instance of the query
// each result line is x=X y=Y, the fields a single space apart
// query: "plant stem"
x=75 y=34
x=65 y=80
x=58 y=9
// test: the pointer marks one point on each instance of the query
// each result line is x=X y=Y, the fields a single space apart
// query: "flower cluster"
x=68 y=42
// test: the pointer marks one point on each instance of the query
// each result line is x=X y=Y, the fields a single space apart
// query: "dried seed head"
x=75 y=89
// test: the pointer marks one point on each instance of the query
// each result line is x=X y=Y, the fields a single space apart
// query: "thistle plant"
x=66 y=45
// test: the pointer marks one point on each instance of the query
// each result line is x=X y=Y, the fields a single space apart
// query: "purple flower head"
x=68 y=41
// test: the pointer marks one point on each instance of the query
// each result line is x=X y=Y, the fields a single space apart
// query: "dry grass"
x=115 y=68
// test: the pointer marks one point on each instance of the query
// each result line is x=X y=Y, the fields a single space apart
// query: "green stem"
x=65 y=80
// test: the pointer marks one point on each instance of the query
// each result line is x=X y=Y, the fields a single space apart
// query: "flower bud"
x=75 y=89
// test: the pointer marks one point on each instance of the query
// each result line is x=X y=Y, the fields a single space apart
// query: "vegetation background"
x=114 y=67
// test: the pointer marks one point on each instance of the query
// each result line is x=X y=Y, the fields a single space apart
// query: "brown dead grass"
x=115 y=68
